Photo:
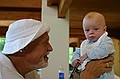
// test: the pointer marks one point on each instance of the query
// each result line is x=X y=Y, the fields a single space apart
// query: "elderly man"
x=26 y=49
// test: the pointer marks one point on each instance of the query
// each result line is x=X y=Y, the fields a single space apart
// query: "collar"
x=7 y=63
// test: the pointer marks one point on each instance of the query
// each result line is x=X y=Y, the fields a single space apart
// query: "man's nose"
x=50 y=47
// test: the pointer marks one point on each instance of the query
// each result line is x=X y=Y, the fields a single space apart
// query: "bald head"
x=96 y=17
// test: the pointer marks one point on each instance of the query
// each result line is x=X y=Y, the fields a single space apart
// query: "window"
x=71 y=50
x=2 y=42
x=70 y=54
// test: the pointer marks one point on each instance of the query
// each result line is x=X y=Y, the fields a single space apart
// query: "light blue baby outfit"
x=96 y=50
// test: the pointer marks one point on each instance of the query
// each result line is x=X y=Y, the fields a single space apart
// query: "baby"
x=97 y=45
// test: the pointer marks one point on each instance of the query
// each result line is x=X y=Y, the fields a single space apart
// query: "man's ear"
x=105 y=28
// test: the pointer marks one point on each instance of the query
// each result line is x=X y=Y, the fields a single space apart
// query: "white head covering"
x=21 y=33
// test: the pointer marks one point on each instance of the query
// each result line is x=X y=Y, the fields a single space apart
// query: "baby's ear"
x=105 y=28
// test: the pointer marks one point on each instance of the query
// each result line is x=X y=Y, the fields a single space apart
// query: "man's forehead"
x=43 y=37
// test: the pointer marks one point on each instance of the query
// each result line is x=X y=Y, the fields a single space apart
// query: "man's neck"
x=19 y=65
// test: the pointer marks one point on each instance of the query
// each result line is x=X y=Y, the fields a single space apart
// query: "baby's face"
x=93 y=29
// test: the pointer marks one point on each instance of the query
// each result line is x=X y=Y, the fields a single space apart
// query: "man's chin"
x=44 y=66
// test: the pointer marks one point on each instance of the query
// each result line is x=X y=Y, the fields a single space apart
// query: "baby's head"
x=94 y=26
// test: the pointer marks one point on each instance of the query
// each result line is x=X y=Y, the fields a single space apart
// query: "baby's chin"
x=93 y=40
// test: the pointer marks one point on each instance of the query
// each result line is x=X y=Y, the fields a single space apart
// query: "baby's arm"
x=105 y=48
x=76 y=57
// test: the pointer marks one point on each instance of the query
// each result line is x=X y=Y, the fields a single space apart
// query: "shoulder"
x=77 y=50
x=84 y=42
x=107 y=39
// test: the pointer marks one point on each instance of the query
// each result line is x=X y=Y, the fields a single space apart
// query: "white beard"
x=40 y=65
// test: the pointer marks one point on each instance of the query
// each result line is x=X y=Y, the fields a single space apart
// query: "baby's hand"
x=75 y=62
x=82 y=58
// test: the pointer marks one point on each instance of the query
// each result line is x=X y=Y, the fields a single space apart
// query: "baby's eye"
x=87 y=30
x=96 y=28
